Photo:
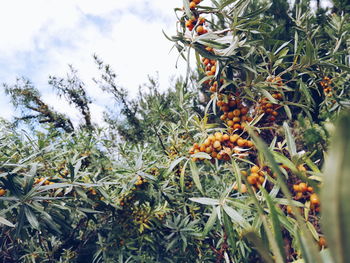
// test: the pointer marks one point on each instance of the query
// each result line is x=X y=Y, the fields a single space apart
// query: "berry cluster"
x=326 y=85
x=235 y=113
x=303 y=191
x=221 y=146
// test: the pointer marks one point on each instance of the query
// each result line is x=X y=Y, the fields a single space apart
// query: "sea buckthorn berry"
x=249 y=144
x=218 y=136
x=219 y=156
x=193 y=5
x=236 y=113
x=202 y=148
x=289 y=209
x=255 y=169
x=314 y=199
x=244 y=111
x=209 y=149
x=230 y=123
x=234 y=138
x=2 y=192
x=237 y=126
x=261 y=179
x=230 y=115
x=211 y=138
x=236 y=119
x=217 y=144
x=310 y=189
x=322 y=242
x=296 y=188
x=241 y=142
x=214 y=154
x=252 y=179
x=303 y=187
x=200 y=30
x=225 y=137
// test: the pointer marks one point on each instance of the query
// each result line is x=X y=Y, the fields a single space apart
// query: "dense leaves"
x=225 y=166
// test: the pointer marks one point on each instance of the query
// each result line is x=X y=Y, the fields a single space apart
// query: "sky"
x=42 y=37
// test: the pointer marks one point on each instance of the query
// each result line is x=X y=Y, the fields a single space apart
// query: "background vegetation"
x=232 y=164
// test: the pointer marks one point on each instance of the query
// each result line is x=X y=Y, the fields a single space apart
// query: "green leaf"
x=205 y=200
x=195 y=176
x=236 y=217
x=210 y=223
x=290 y=141
x=273 y=215
x=259 y=245
x=33 y=221
x=335 y=193
x=6 y=222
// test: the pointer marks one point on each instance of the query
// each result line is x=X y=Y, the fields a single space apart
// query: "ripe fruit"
x=193 y=5
x=314 y=199
x=241 y=142
x=217 y=144
x=303 y=187
x=2 y=192
x=322 y=242
x=200 y=30
x=255 y=169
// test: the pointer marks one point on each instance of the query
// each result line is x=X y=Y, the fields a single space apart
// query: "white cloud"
x=42 y=37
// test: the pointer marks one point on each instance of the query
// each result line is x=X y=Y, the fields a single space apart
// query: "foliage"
x=236 y=178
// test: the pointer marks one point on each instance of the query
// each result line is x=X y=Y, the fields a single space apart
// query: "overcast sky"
x=41 y=37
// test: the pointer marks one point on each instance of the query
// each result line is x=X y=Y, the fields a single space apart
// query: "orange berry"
x=322 y=242
x=211 y=137
x=193 y=5
x=314 y=199
x=218 y=136
x=230 y=115
x=252 y=179
x=230 y=123
x=209 y=149
x=188 y=23
x=234 y=138
x=244 y=111
x=200 y=30
x=296 y=188
x=207 y=142
x=225 y=137
x=202 y=148
x=241 y=142
x=2 y=192
x=237 y=126
x=255 y=169
x=310 y=189
x=303 y=187
x=217 y=144
x=236 y=112
x=249 y=144
x=214 y=154
x=289 y=209
x=219 y=156
x=236 y=119
x=261 y=179
x=244 y=173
